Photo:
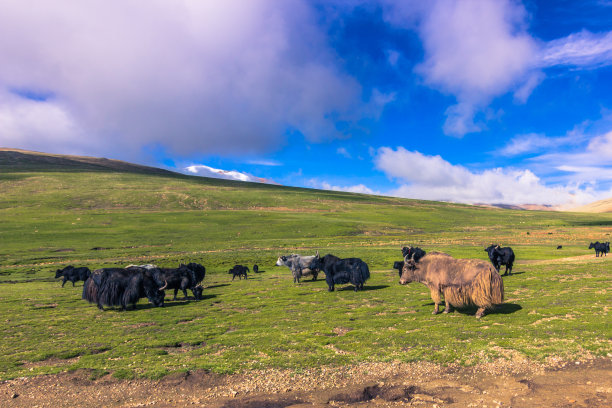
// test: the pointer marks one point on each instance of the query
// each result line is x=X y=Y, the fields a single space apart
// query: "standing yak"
x=341 y=271
x=463 y=282
x=121 y=287
x=501 y=256
x=72 y=274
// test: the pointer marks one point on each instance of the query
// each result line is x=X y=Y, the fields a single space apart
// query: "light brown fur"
x=463 y=282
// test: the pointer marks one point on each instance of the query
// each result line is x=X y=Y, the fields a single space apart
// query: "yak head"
x=407 y=273
x=590 y=246
x=60 y=272
x=197 y=292
x=282 y=260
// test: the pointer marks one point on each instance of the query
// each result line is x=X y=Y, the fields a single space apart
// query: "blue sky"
x=469 y=101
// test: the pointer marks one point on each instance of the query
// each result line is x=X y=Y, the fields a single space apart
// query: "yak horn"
x=165 y=286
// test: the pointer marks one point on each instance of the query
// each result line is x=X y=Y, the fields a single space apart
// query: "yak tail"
x=488 y=288
x=365 y=271
x=90 y=291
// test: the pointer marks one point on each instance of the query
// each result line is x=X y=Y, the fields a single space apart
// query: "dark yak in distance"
x=121 y=287
x=414 y=253
x=399 y=265
x=463 y=282
x=72 y=274
x=601 y=248
x=501 y=256
x=182 y=278
x=239 y=271
x=340 y=271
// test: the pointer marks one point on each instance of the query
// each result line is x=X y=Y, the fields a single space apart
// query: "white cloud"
x=530 y=143
x=583 y=49
x=343 y=152
x=433 y=178
x=359 y=188
x=273 y=163
x=206 y=171
x=475 y=50
x=193 y=76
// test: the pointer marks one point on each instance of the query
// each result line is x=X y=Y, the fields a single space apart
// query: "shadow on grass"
x=504 y=308
x=365 y=288
x=217 y=286
x=512 y=274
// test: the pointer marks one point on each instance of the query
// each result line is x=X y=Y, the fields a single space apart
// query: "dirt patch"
x=498 y=384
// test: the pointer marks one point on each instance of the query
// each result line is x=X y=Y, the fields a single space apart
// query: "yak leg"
x=480 y=312
x=175 y=292
x=64 y=282
x=435 y=296
x=447 y=306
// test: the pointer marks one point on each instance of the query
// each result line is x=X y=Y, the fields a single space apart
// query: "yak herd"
x=458 y=283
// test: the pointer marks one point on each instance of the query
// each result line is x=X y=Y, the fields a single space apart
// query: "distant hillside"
x=601 y=206
x=23 y=160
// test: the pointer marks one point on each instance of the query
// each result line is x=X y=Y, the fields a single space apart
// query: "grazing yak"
x=72 y=274
x=600 y=248
x=300 y=266
x=463 y=282
x=255 y=268
x=239 y=271
x=414 y=253
x=341 y=271
x=121 y=287
x=501 y=256
x=559 y=246
x=182 y=278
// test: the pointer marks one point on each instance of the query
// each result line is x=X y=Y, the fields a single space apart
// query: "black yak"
x=72 y=274
x=121 y=287
x=255 y=268
x=300 y=266
x=601 y=248
x=501 y=256
x=414 y=253
x=182 y=278
x=341 y=271
x=463 y=282
x=239 y=271
x=399 y=265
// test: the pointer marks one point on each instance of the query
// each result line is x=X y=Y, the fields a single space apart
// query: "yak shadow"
x=504 y=308
x=513 y=273
x=365 y=288
x=217 y=286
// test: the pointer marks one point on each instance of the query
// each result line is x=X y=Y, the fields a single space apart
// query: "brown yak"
x=463 y=282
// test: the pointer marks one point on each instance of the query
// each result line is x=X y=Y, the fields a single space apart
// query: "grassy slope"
x=49 y=219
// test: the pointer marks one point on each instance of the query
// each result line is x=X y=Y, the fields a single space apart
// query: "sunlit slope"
x=56 y=215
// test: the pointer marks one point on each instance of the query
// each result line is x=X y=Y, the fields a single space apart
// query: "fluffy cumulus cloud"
x=192 y=76
x=478 y=50
x=475 y=50
x=358 y=188
x=433 y=178
x=207 y=171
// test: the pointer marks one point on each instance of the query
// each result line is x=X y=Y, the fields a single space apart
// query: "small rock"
x=15 y=395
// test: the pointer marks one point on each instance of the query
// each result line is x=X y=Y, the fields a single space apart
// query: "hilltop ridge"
x=25 y=160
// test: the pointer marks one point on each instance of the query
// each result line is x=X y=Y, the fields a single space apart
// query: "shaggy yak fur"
x=341 y=271
x=414 y=253
x=463 y=282
x=300 y=266
x=121 y=287
x=72 y=274
x=239 y=271
x=184 y=277
x=501 y=256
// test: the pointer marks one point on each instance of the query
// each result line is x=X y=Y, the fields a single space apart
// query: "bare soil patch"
x=499 y=384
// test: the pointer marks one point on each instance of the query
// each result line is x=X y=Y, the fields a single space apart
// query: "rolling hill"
x=601 y=206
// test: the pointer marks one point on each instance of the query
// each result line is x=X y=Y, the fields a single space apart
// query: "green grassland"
x=557 y=301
